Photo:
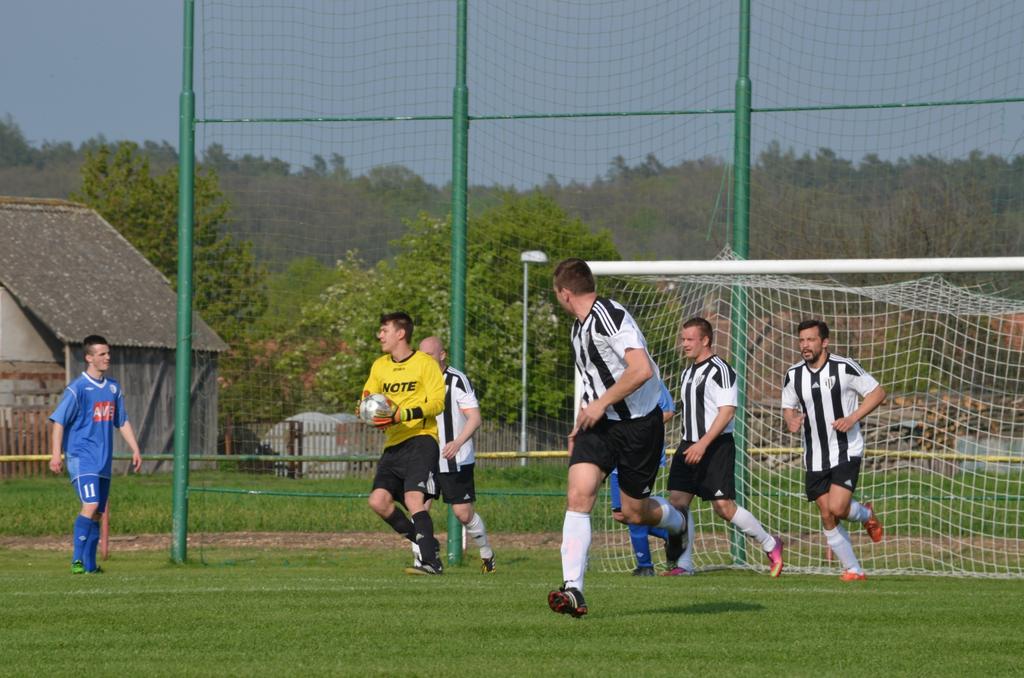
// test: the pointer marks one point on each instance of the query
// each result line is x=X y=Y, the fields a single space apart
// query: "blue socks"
x=80 y=536
x=641 y=547
x=91 y=542
x=638 y=538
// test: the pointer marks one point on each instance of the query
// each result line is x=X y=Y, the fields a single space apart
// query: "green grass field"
x=513 y=499
x=142 y=504
x=355 y=613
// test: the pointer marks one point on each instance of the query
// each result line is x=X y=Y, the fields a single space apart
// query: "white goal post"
x=944 y=464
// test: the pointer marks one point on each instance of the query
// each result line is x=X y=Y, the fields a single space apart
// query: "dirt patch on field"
x=291 y=540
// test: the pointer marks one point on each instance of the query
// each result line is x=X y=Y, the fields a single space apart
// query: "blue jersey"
x=89 y=412
x=667 y=404
x=665 y=401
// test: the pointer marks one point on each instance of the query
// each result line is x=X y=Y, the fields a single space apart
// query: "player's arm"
x=667 y=404
x=65 y=414
x=792 y=413
x=56 y=441
x=473 y=421
x=695 y=452
x=571 y=438
x=794 y=419
x=638 y=370
x=128 y=433
x=867 y=406
x=434 y=394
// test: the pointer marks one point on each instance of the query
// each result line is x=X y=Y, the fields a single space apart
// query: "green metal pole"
x=741 y=246
x=183 y=352
x=460 y=164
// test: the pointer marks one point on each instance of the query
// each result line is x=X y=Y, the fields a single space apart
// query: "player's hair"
x=808 y=324
x=703 y=325
x=93 y=340
x=401 y=320
x=574 y=275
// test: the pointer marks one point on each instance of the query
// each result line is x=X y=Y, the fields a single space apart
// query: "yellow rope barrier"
x=556 y=454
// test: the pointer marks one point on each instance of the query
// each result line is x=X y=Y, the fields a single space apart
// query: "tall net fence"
x=886 y=130
x=596 y=129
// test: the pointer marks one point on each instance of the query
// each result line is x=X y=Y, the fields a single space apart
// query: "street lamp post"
x=528 y=257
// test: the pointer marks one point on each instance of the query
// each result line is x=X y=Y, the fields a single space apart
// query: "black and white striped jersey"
x=825 y=395
x=599 y=345
x=706 y=387
x=458 y=396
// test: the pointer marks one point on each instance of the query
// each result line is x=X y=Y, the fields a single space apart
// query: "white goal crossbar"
x=808 y=266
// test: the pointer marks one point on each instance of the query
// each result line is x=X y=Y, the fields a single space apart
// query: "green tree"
x=335 y=342
x=228 y=284
x=303 y=279
x=14 y=149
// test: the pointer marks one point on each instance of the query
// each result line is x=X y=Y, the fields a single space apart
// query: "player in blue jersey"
x=639 y=534
x=83 y=428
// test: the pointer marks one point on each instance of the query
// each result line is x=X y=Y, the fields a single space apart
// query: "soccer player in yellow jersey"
x=408 y=467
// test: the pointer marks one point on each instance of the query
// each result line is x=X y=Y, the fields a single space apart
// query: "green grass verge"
x=531 y=501
x=514 y=499
x=317 y=613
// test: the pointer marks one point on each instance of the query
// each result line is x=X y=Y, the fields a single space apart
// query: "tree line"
x=293 y=265
x=807 y=205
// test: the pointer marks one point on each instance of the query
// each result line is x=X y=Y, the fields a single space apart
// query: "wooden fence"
x=24 y=432
x=325 y=439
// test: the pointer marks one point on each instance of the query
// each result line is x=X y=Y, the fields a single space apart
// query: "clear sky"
x=72 y=69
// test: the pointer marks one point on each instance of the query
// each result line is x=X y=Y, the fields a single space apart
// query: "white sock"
x=416 y=556
x=686 y=560
x=750 y=526
x=839 y=540
x=859 y=513
x=475 y=528
x=671 y=519
x=575 y=546
x=846 y=536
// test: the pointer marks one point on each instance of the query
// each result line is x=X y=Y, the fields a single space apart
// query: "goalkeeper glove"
x=360 y=402
x=384 y=422
x=400 y=415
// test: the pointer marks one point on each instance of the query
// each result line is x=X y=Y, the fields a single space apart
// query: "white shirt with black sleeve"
x=825 y=395
x=458 y=396
x=599 y=346
x=706 y=387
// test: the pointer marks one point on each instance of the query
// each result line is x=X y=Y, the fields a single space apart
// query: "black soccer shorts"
x=632 y=445
x=713 y=477
x=409 y=466
x=844 y=475
x=458 y=487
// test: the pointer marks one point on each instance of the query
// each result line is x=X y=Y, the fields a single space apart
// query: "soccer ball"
x=376 y=405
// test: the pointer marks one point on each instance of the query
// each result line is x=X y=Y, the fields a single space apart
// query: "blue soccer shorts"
x=92 y=489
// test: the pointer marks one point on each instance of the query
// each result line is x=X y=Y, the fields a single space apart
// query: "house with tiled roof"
x=66 y=273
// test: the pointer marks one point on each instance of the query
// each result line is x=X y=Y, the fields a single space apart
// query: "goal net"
x=944 y=453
